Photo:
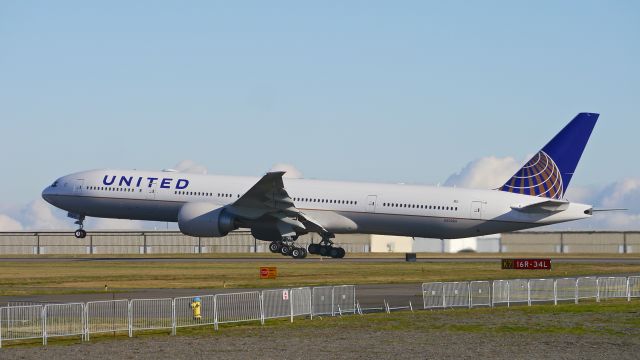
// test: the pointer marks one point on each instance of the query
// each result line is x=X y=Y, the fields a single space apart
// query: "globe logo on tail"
x=540 y=176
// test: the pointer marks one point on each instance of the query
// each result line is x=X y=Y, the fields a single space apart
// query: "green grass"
x=80 y=276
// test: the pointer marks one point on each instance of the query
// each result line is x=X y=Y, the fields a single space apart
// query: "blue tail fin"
x=549 y=172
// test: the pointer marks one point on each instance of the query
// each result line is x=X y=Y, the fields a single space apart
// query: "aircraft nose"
x=46 y=194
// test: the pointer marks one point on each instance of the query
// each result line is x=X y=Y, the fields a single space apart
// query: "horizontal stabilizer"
x=550 y=205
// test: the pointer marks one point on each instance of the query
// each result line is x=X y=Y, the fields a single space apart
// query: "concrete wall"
x=151 y=242
x=575 y=242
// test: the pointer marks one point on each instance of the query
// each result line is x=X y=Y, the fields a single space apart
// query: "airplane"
x=278 y=209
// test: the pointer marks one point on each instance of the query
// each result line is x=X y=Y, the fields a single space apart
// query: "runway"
x=559 y=260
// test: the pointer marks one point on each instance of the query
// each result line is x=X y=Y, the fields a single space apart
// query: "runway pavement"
x=561 y=260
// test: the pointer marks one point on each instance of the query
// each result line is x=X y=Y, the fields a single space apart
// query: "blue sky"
x=353 y=90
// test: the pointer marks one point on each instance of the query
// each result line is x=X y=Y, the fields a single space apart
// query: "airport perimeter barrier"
x=44 y=321
x=440 y=295
x=62 y=320
x=108 y=316
x=634 y=287
x=22 y=323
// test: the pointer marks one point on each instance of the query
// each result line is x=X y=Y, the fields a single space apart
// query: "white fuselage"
x=341 y=207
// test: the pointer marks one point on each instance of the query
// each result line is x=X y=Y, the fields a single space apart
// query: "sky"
x=418 y=92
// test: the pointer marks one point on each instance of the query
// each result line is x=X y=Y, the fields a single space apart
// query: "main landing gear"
x=80 y=233
x=325 y=248
x=287 y=247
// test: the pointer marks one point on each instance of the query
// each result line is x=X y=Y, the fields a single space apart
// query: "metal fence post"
x=598 y=290
x=85 y=331
x=529 y=292
x=261 y=309
x=555 y=292
x=129 y=318
x=333 y=289
x=577 y=290
x=354 y=299
x=444 y=298
x=173 y=316
x=468 y=291
x=628 y=290
x=44 y=325
x=491 y=292
x=508 y=293
x=291 y=300
x=215 y=312
x=311 y=303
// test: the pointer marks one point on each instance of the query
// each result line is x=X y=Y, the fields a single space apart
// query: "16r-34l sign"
x=526 y=264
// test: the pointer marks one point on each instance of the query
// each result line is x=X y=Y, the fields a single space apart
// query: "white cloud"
x=39 y=215
x=491 y=172
x=485 y=173
x=9 y=224
x=291 y=171
x=190 y=166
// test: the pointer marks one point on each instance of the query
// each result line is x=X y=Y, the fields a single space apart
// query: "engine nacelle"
x=205 y=219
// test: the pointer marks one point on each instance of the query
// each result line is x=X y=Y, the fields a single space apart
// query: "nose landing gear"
x=80 y=233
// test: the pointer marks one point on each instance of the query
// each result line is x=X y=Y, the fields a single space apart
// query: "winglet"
x=549 y=172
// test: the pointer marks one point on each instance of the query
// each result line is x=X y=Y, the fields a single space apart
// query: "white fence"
x=438 y=295
x=479 y=293
x=63 y=320
x=26 y=322
x=106 y=316
x=21 y=323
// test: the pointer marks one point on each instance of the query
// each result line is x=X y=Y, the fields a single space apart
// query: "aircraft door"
x=150 y=192
x=78 y=185
x=476 y=209
x=371 y=203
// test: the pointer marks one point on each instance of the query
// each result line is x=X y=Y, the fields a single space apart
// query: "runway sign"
x=268 y=272
x=526 y=264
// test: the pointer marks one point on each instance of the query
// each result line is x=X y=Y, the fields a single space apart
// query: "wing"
x=268 y=198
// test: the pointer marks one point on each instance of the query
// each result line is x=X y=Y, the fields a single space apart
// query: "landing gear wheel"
x=285 y=250
x=304 y=253
x=334 y=252
x=314 y=249
x=80 y=234
x=325 y=250
x=275 y=247
x=296 y=253
x=341 y=253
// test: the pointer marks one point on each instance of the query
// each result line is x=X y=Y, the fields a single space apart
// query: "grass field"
x=82 y=275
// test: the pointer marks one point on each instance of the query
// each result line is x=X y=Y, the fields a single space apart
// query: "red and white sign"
x=526 y=264
x=285 y=294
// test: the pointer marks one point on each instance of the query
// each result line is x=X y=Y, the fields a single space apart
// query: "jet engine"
x=205 y=219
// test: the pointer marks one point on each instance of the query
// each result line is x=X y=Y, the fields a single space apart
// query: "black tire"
x=324 y=250
x=274 y=247
x=314 y=249
x=296 y=253
x=80 y=234
x=341 y=253
x=334 y=252
x=304 y=253
x=285 y=250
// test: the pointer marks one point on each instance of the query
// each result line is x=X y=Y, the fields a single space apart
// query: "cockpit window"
x=55 y=183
